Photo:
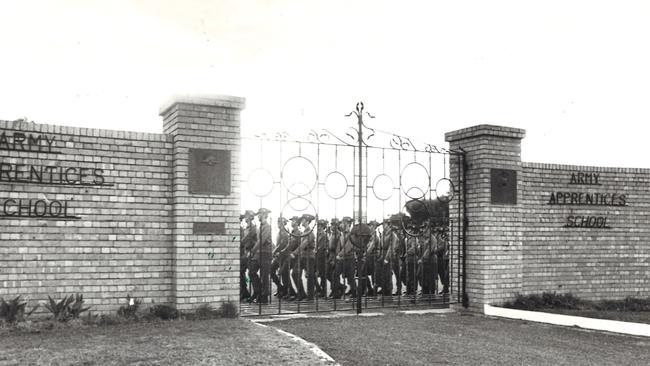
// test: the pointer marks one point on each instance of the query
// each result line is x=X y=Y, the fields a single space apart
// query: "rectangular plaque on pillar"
x=503 y=186
x=218 y=228
x=209 y=171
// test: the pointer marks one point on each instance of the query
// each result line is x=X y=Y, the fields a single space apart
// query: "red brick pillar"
x=205 y=133
x=494 y=211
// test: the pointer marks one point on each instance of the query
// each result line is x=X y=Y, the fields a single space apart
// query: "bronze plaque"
x=209 y=171
x=209 y=228
x=503 y=186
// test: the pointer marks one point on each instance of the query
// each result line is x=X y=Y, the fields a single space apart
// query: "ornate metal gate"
x=350 y=221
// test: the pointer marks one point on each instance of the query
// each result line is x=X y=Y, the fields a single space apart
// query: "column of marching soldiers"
x=326 y=254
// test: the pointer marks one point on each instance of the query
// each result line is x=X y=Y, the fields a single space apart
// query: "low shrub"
x=76 y=307
x=130 y=310
x=551 y=300
x=205 y=311
x=627 y=304
x=547 y=300
x=164 y=312
x=228 y=310
x=14 y=310
x=70 y=307
x=59 y=309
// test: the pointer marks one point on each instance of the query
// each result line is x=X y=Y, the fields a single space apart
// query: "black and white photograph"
x=354 y=183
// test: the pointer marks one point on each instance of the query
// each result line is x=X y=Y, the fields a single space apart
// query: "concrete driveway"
x=457 y=339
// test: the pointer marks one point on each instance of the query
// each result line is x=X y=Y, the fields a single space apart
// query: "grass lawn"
x=181 y=342
x=456 y=339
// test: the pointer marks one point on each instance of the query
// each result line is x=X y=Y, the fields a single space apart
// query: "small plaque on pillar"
x=218 y=228
x=503 y=186
x=209 y=171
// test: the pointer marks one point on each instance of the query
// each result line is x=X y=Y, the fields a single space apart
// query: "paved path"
x=455 y=339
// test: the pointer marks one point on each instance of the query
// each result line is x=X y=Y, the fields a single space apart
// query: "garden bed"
x=635 y=310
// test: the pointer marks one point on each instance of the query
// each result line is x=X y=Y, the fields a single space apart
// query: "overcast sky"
x=574 y=74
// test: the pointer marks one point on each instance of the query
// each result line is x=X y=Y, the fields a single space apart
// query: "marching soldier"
x=281 y=278
x=383 y=267
x=260 y=260
x=321 y=258
x=398 y=251
x=345 y=259
x=368 y=269
x=289 y=264
x=248 y=238
x=427 y=262
x=442 y=254
x=333 y=250
x=410 y=261
x=306 y=256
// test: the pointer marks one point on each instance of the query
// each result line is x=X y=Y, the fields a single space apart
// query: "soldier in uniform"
x=281 y=278
x=383 y=267
x=289 y=264
x=345 y=259
x=368 y=269
x=427 y=262
x=442 y=254
x=334 y=241
x=322 y=246
x=398 y=251
x=248 y=238
x=260 y=260
x=305 y=254
x=410 y=263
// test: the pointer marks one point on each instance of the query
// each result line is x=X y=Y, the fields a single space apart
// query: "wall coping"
x=485 y=130
x=82 y=131
x=594 y=168
x=210 y=100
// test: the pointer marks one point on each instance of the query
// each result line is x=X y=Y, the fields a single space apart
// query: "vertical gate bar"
x=366 y=281
x=434 y=282
x=280 y=215
x=318 y=188
x=464 y=239
x=451 y=258
x=459 y=213
x=399 y=202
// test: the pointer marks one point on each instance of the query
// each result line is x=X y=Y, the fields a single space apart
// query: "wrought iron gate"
x=350 y=221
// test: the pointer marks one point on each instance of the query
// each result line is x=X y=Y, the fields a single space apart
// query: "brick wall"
x=122 y=241
x=548 y=241
x=593 y=263
x=131 y=217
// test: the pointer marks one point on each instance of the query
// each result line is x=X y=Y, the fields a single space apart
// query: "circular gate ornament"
x=288 y=212
x=336 y=185
x=299 y=203
x=260 y=182
x=299 y=176
x=411 y=224
x=413 y=178
x=445 y=190
x=382 y=187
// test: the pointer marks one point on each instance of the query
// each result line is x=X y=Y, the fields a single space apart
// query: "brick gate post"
x=494 y=211
x=205 y=132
